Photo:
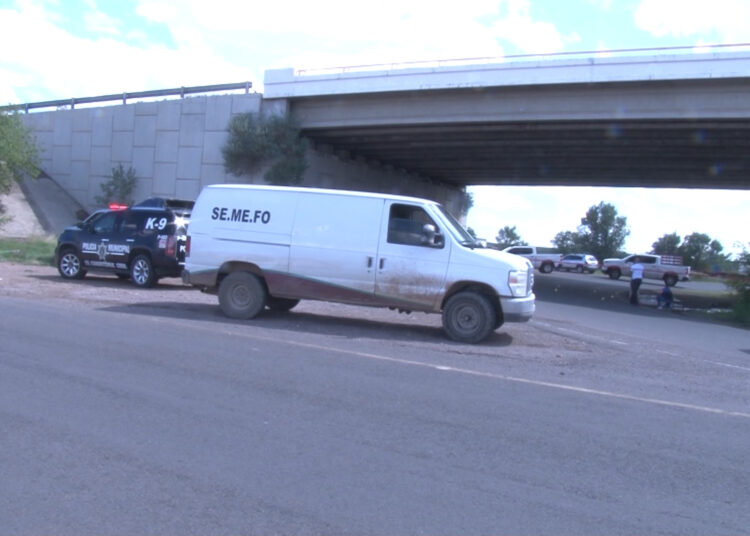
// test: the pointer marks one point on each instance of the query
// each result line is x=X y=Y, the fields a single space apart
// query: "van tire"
x=546 y=267
x=242 y=295
x=281 y=304
x=469 y=317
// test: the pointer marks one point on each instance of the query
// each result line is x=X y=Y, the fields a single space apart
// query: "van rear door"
x=412 y=264
x=334 y=244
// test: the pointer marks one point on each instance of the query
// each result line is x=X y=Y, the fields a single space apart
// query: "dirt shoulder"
x=29 y=281
x=21 y=221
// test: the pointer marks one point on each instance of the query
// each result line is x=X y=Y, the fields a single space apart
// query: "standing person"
x=636 y=276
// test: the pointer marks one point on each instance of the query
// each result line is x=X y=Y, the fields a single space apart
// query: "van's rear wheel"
x=281 y=304
x=241 y=295
x=469 y=317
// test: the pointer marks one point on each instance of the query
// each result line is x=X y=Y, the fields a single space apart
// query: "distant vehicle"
x=264 y=246
x=668 y=268
x=143 y=242
x=544 y=262
x=578 y=262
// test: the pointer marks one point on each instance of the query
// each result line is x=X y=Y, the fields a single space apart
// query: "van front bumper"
x=518 y=309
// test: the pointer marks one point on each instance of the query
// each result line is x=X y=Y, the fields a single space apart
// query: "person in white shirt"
x=636 y=276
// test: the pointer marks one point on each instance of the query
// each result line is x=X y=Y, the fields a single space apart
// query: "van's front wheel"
x=469 y=317
x=241 y=295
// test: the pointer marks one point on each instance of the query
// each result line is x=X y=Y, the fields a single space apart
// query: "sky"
x=59 y=49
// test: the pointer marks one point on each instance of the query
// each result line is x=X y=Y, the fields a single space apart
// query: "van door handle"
x=369 y=262
x=382 y=263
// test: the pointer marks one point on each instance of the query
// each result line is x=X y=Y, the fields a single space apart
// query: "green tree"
x=700 y=252
x=602 y=232
x=255 y=141
x=668 y=244
x=18 y=152
x=566 y=241
x=507 y=237
x=119 y=188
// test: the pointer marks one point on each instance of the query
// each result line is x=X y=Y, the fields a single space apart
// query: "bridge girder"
x=690 y=135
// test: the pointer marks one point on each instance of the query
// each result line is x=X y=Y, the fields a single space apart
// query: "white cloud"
x=529 y=35
x=76 y=66
x=690 y=18
x=340 y=32
x=100 y=23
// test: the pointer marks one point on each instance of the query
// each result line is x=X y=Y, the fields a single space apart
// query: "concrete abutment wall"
x=174 y=146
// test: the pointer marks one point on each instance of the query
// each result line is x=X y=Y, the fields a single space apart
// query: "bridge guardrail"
x=181 y=91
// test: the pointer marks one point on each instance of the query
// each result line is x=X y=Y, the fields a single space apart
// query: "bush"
x=255 y=141
x=119 y=188
x=741 y=308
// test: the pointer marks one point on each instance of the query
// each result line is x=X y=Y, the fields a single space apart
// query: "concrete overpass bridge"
x=679 y=120
x=667 y=120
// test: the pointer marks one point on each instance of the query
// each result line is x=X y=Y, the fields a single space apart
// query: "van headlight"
x=518 y=281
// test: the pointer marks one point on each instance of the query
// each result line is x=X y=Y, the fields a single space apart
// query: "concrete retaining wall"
x=175 y=148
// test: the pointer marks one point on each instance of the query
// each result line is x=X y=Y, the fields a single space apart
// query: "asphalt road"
x=159 y=417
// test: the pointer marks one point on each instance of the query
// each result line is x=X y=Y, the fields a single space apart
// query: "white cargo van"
x=264 y=246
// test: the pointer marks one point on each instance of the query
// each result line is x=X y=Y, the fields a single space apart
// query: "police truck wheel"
x=70 y=266
x=469 y=317
x=281 y=304
x=142 y=272
x=241 y=295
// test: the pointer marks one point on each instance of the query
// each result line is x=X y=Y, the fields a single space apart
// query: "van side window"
x=406 y=226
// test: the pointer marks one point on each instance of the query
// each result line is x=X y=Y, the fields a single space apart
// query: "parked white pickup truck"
x=668 y=268
x=544 y=262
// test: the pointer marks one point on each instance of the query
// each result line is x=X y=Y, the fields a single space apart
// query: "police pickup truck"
x=142 y=242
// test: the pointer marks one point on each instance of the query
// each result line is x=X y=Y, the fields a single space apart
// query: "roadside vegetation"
x=741 y=286
x=39 y=251
x=18 y=154
x=602 y=232
x=119 y=188
x=273 y=143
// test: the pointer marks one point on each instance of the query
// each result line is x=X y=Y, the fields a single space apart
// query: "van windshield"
x=456 y=229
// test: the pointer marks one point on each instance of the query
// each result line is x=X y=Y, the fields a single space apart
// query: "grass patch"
x=741 y=312
x=40 y=251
